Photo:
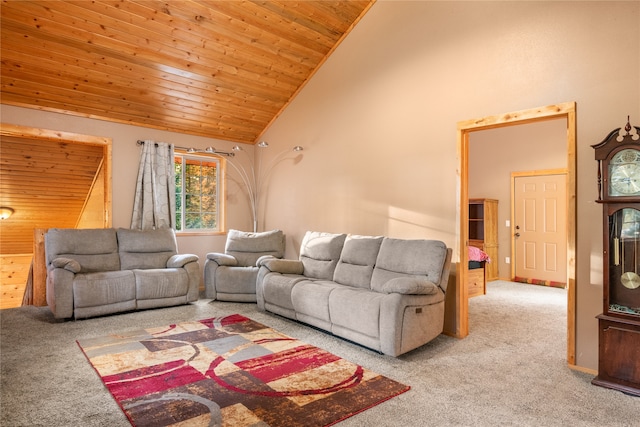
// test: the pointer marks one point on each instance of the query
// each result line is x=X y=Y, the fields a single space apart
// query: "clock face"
x=624 y=174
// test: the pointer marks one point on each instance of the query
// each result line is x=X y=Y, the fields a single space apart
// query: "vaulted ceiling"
x=221 y=69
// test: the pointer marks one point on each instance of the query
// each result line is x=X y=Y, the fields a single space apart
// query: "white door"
x=540 y=229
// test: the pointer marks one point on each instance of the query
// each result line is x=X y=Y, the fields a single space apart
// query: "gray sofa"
x=93 y=272
x=231 y=276
x=385 y=294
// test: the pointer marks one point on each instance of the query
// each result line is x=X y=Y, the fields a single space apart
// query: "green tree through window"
x=197 y=195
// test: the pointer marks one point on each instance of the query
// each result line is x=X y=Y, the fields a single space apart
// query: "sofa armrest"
x=66 y=263
x=59 y=292
x=283 y=266
x=263 y=258
x=410 y=286
x=180 y=260
x=222 y=259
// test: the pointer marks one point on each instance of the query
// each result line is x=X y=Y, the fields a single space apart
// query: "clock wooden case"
x=618 y=157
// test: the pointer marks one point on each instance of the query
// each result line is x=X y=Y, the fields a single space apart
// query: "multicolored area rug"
x=231 y=371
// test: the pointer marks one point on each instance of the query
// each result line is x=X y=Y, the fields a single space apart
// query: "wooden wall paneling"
x=14 y=271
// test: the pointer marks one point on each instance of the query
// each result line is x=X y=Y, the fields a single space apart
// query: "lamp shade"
x=5 y=212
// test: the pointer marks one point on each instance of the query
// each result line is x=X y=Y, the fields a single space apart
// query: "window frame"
x=221 y=193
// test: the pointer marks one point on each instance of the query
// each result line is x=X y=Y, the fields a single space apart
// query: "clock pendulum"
x=616 y=244
x=630 y=279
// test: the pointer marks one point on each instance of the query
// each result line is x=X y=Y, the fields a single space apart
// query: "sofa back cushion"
x=320 y=252
x=247 y=247
x=146 y=248
x=94 y=249
x=357 y=260
x=399 y=258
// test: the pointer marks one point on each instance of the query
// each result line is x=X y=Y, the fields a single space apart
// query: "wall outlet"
x=507 y=260
x=507 y=223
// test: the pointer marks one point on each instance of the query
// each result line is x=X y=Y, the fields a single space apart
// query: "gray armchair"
x=231 y=276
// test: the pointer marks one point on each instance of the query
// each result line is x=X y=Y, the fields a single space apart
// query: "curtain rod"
x=208 y=150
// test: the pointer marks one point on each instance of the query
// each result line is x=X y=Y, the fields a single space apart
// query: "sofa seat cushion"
x=357 y=260
x=357 y=310
x=161 y=283
x=311 y=300
x=277 y=290
x=95 y=289
x=236 y=280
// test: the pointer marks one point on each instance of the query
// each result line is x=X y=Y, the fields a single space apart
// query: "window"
x=197 y=193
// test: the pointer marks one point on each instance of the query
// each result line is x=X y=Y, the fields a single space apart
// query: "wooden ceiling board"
x=222 y=69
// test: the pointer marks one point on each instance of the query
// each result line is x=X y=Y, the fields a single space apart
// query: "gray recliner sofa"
x=383 y=293
x=231 y=276
x=93 y=272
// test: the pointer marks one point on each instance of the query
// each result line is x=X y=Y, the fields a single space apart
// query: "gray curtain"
x=155 y=201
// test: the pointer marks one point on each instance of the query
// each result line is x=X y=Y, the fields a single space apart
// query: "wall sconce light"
x=5 y=212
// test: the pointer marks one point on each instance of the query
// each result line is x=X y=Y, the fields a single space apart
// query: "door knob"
x=517 y=234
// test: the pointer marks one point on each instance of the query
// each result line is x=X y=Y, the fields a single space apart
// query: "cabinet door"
x=619 y=355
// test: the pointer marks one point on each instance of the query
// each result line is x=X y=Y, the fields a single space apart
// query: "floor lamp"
x=255 y=175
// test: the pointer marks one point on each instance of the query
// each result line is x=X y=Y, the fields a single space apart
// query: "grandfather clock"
x=618 y=158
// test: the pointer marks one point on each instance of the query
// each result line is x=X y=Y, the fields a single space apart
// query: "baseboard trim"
x=583 y=369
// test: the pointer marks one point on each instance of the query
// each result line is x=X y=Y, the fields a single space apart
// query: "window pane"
x=208 y=203
x=192 y=202
x=209 y=220
x=192 y=221
x=196 y=192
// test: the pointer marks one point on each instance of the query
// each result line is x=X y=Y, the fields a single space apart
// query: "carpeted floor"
x=510 y=371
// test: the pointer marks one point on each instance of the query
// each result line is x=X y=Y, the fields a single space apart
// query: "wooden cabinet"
x=476 y=282
x=483 y=232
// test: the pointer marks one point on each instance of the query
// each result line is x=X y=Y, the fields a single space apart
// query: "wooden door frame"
x=46 y=135
x=524 y=174
x=565 y=110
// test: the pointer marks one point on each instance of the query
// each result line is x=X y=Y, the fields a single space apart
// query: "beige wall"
x=378 y=121
x=496 y=153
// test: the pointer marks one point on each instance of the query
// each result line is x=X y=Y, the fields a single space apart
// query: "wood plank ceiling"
x=222 y=69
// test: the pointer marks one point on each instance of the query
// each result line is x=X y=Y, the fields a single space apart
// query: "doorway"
x=565 y=111
x=49 y=179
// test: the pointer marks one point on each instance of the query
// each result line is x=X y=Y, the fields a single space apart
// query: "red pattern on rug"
x=231 y=371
